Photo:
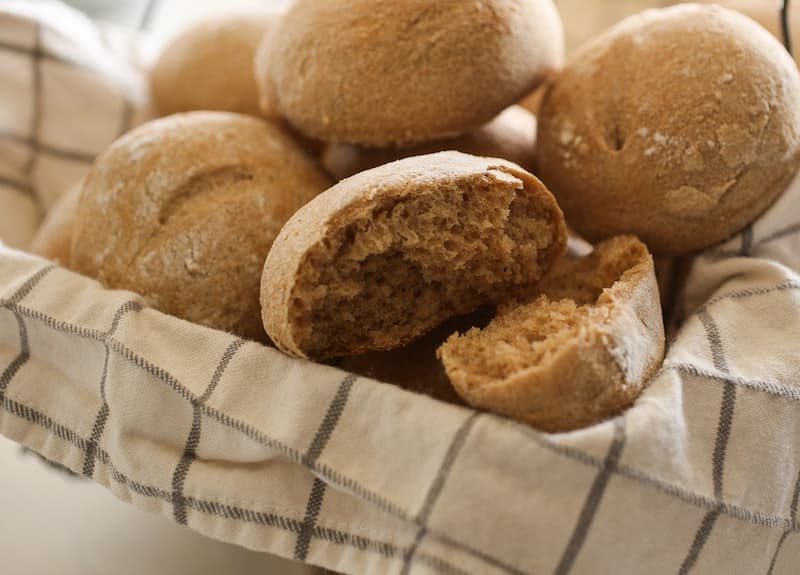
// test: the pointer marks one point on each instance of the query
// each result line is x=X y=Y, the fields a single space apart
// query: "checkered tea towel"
x=246 y=445
x=68 y=88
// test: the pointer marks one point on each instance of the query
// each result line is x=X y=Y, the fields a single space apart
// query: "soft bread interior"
x=404 y=265
x=575 y=297
x=415 y=366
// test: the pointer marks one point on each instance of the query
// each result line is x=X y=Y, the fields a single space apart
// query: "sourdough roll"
x=679 y=125
x=385 y=256
x=581 y=351
x=510 y=136
x=53 y=239
x=183 y=210
x=383 y=72
x=210 y=66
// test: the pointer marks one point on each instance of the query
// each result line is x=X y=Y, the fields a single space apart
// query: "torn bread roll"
x=704 y=137
x=210 y=66
x=388 y=254
x=414 y=366
x=578 y=353
x=381 y=73
x=510 y=136
x=183 y=211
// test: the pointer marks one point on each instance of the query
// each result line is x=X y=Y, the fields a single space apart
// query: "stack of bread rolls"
x=439 y=261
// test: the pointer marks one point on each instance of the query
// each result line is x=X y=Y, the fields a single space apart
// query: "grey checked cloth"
x=244 y=444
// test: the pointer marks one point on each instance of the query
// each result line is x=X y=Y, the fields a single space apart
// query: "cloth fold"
x=246 y=445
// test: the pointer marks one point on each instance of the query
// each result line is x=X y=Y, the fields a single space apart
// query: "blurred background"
x=582 y=18
x=90 y=532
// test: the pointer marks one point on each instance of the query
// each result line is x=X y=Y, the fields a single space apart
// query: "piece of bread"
x=382 y=72
x=388 y=254
x=679 y=125
x=53 y=239
x=578 y=353
x=510 y=136
x=183 y=210
x=210 y=66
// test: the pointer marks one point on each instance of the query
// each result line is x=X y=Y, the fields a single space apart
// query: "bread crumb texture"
x=579 y=349
x=383 y=257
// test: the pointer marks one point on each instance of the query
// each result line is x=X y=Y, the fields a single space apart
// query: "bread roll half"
x=386 y=255
x=580 y=352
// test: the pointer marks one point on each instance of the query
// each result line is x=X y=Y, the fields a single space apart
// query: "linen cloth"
x=246 y=445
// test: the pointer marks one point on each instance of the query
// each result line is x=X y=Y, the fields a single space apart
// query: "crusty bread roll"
x=578 y=353
x=388 y=254
x=510 y=136
x=210 y=66
x=679 y=125
x=53 y=239
x=183 y=210
x=382 y=72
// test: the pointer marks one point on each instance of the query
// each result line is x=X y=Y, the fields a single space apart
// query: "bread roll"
x=53 y=239
x=183 y=210
x=679 y=125
x=210 y=66
x=385 y=256
x=510 y=136
x=578 y=353
x=382 y=72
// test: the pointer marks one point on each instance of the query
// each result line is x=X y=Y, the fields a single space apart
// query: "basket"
x=246 y=445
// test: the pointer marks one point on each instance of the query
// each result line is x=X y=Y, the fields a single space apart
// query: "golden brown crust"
x=380 y=240
x=183 y=210
x=578 y=353
x=53 y=239
x=704 y=136
x=210 y=66
x=382 y=72
x=510 y=136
